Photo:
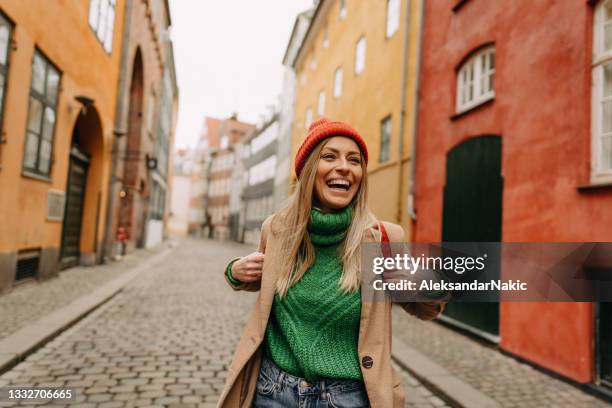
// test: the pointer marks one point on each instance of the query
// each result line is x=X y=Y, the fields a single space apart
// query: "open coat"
x=382 y=383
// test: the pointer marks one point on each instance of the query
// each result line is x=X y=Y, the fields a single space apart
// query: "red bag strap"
x=385 y=244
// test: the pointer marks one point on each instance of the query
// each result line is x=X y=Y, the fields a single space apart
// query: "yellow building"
x=358 y=63
x=59 y=67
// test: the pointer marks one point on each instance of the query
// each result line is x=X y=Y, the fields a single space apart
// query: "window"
x=224 y=143
x=102 y=20
x=6 y=28
x=342 y=9
x=385 y=139
x=308 y=119
x=321 y=106
x=601 y=139
x=360 y=53
x=41 y=116
x=475 y=80
x=393 y=16
x=325 y=39
x=338 y=83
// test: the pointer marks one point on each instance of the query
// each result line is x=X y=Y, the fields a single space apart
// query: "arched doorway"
x=131 y=205
x=83 y=191
x=473 y=213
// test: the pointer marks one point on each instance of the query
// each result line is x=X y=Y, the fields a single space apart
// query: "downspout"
x=415 y=123
x=402 y=123
x=119 y=109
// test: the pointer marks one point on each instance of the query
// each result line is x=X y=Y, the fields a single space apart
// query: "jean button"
x=367 y=362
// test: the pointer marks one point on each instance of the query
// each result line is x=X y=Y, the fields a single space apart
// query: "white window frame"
x=470 y=77
x=601 y=59
x=321 y=104
x=393 y=17
x=360 y=55
x=338 y=74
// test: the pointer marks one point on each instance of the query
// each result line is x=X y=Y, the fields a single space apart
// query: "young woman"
x=310 y=340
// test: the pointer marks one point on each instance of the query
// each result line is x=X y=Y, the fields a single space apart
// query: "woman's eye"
x=355 y=160
x=328 y=156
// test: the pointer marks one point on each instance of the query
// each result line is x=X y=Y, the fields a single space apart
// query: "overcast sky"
x=228 y=56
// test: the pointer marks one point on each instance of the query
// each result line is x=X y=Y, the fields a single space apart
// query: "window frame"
x=321 y=103
x=342 y=12
x=42 y=98
x=385 y=142
x=338 y=79
x=388 y=20
x=363 y=63
x=4 y=71
x=601 y=58
x=474 y=63
x=96 y=30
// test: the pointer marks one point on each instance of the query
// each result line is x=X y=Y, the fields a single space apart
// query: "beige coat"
x=374 y=347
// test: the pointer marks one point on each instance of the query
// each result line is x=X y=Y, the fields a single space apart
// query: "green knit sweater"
x=313 y=330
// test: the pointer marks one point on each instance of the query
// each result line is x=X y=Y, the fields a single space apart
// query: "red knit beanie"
x=322 y=129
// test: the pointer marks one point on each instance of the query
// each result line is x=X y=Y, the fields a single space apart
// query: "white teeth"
x=339 y=183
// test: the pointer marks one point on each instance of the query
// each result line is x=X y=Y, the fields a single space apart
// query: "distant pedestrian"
x=311 y=341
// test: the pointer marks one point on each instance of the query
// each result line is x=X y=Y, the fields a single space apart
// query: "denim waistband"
x=276 y=374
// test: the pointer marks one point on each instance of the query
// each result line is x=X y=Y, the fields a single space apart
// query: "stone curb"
x=445 y=385
x=17 y=346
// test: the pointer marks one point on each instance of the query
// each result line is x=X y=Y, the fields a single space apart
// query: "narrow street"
x=165 y=340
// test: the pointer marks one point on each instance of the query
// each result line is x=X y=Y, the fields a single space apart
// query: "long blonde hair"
x=291 y=224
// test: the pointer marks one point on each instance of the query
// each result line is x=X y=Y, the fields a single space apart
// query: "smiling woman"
x=311 y=340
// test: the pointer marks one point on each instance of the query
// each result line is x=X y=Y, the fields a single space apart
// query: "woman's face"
x=339 y=174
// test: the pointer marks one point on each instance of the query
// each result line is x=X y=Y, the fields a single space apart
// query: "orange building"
x=59 y=67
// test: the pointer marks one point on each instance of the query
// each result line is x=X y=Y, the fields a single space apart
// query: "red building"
x=515 y=145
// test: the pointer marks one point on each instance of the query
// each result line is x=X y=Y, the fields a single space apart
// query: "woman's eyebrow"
x=338 y=151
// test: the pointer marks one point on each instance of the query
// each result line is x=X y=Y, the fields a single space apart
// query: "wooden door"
x=473 y=213
x=73 y=212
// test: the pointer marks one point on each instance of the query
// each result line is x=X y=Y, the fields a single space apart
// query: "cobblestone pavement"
x=32 y=300
x=165 y=340
x=511 y=383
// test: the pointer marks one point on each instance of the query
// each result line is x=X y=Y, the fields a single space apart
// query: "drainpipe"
x=402 y=123
x=415 y=127
x=119 y=109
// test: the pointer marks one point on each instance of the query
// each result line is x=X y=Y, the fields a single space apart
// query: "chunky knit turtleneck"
x=313 y=330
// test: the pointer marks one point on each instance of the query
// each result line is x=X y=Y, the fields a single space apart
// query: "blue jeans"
x=278 y=389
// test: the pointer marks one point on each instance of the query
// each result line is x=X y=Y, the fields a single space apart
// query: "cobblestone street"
x=165 y=340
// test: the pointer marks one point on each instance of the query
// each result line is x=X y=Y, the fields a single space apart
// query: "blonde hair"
x=291 y=222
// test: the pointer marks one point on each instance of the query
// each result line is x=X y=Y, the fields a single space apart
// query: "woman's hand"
x=248 y=269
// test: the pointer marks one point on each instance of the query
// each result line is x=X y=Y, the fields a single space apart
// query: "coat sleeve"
x=249 y=286
x=421 y=310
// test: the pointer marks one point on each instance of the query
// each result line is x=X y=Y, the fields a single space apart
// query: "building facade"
x=510 y=149
x=358 y=63
x=144 y=126
x=230 y=132
x=260 y=163
x=57 y=129
x=286 y=114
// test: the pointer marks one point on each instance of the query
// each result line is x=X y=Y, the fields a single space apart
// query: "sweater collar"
x=329 y=229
